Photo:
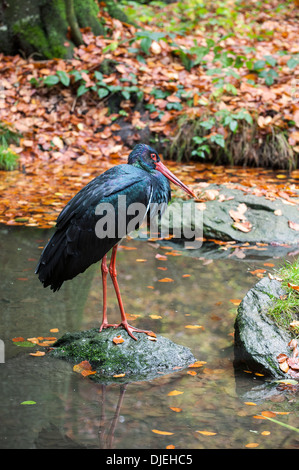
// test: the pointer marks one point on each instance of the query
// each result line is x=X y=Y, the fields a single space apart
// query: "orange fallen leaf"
x=249 y=403
x=85 y=373
x=251 y=445
x=37 y=353
x=207 y=433
x=141 y=260
x=191 y=372
x=197 y=364
x=293 y=286
x=186 y=275
x=18 y=339
x=118 y=339
x=177 y=410
x=171 y=446
x=82 y=366
x=268 y=414
x=174 y=393
x=54 y=330
x=166 y=279
x=193 y=327
x=235 y=301
x=151 y=333
x=163 y=433
x=257 y=271
x=119 y=375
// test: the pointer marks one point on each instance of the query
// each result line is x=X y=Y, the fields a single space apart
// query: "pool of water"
x=217 y=405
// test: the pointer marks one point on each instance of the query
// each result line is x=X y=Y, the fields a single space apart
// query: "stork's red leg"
x=104 y=269
x=124 y=323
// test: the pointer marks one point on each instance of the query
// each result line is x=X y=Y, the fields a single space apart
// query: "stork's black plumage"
x=81 y=237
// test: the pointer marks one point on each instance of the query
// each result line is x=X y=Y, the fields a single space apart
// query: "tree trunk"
x=40 y=27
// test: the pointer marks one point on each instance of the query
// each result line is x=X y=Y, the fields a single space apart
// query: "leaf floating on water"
x=207 y=433
x=174 y=393
x=197 y=364
x=163 y=433
x=161 y=257
x=191 y=372
x=166 y=279
x=37 y=353
x=235 y=301
x=268 y=414
x=194 y=327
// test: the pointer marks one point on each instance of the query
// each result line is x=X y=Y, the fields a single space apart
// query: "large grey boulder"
x=270 y=219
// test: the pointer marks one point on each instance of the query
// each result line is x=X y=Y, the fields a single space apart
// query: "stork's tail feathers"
x=50 y=268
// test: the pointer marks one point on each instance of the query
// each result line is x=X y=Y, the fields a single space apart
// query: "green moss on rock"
x=138 y=360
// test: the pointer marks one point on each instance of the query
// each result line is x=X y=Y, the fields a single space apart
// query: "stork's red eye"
x=154 y=156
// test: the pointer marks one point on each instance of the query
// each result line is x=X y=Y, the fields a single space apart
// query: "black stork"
x=77 y=243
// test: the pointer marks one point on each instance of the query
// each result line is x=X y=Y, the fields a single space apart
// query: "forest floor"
x=204 y=84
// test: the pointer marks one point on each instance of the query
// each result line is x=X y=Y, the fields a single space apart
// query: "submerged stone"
x=138 y=360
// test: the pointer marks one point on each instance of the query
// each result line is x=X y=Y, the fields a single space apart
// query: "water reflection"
x=74 y=412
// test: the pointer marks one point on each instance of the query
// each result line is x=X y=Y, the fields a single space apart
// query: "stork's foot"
x=107 y=325
x=129 y=329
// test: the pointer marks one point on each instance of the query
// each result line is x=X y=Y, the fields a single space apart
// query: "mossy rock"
x=138 y=360
x=258 y=339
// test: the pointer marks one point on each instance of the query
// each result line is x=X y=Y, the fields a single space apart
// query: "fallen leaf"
x=163 y=433
x=235 y=301
x=207 y=433
x=193 y=327
x=119 y=375
x=18 y=339
x=293 y=225
x=118 y=339
x=243 y=226
x=174 y=393
x=293 y=286
x=166 y=279
x=37 y=353
x=251 y=445
x=177 y=410
x=268 y=414
x=197 y=364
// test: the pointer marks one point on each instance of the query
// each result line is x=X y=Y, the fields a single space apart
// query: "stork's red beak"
x=162 y=168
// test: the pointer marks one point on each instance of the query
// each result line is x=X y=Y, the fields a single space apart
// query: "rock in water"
x=258 y=340
x=138 y=360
